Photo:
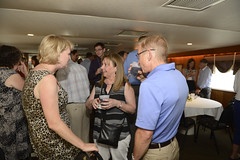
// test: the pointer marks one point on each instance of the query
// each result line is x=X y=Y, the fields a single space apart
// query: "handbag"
x=110 y=133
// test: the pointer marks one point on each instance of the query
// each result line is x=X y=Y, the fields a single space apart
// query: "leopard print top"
x=46 y=143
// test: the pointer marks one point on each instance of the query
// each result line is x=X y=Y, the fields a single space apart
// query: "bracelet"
x=120 y=106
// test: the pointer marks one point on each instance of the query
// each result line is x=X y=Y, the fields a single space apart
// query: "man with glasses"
x=95 y=70
x=162 y=98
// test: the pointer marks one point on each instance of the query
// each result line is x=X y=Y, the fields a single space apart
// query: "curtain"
x=225 y=66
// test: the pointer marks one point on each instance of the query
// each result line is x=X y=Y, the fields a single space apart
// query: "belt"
x=160 y=145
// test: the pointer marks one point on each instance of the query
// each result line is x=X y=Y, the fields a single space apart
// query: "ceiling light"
x=189 y=44
x=30 y=34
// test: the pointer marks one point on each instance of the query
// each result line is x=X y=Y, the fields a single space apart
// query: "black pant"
x=131 y=122
x=191 y=86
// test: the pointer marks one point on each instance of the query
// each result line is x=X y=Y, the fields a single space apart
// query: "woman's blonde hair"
x=156 y=42
x=51 y=47
x=120 y=78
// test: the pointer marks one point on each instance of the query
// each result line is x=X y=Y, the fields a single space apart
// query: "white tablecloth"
x=203 y=106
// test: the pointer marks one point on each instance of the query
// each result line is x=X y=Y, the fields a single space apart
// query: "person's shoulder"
x=133 y=53
x=82 y=68
x=208 y=69
x=238 y=72
x=95 y=59
x=77 y=67
x=48 y=79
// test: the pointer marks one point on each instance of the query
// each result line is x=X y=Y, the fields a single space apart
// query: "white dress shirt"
x=204 y=77
x=74 y=80
x=236 y=85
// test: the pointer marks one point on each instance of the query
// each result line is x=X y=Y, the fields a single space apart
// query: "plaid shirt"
x=74 y=80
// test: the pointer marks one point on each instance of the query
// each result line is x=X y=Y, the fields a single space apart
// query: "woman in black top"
x=121 y=100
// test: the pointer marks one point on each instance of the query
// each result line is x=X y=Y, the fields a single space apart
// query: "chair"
x=185 y=124
x=225 y=121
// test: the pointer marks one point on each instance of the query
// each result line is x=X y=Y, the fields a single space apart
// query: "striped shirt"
x=111 y=116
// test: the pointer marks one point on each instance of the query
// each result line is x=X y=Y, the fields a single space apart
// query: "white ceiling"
x=86 y=22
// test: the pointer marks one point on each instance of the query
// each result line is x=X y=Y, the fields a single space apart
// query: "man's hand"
x=197 y=91
x=141 y=76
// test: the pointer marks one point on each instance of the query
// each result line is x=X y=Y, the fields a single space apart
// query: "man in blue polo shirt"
x=162 y=98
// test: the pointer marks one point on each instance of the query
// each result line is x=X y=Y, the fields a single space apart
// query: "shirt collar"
x=204 y=68
x=163 y=67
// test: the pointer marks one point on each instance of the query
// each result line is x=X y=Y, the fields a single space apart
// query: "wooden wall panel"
x=181 y=58
x=223 y=97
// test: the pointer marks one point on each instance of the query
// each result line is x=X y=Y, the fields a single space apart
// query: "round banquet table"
x=202 y=106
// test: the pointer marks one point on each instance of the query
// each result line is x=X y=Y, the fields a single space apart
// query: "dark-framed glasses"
x=144 y=52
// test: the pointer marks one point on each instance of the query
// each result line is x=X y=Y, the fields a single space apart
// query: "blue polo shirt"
x=161 y=102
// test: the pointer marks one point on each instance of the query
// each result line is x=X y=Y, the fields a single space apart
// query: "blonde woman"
x=44 y=102
x=121 y=100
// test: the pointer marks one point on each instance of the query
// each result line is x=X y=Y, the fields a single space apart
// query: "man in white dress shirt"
x=74 y=80
x=204 y=80
x=86 y=63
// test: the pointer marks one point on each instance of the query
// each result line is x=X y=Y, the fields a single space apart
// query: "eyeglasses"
x=98 y=50
x=144 y=52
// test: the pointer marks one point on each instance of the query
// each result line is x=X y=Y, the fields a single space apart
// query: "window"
x=222 y=81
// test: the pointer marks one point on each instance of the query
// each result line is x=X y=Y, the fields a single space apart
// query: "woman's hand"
x=95 y=103
x=22 y=68
x=89 y=147
x=109 y=103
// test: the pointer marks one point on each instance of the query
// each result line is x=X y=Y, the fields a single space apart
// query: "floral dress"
x=14 y=139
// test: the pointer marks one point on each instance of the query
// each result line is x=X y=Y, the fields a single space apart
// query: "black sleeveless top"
x=113 y=115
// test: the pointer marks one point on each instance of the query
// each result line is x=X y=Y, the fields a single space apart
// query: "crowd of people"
x=57 y=105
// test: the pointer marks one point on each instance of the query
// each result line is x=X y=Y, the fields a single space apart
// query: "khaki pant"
x=169 y=152
x=79 y=120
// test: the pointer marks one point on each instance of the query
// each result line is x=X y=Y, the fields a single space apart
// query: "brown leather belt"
x=158 y=145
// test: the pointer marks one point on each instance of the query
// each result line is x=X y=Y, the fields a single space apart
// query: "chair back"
x=227 y=114
x=183 y=120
